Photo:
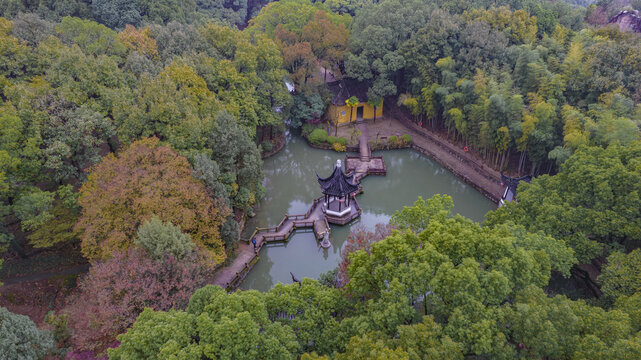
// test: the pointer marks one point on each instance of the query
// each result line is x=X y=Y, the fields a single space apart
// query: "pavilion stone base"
x=344 y=215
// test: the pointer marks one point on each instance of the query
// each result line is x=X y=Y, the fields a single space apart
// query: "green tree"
x=93 y=38
x=292 y=15
x=158 y=239
x=558 y=327
x=377 y=35
x=307 y=109
x=21 y=339
x=116 y=13
x=239 y=161
x=314 y=308
x=461 y=271
x=351 y=103
x=232 y=12
x=621 y=275
x=203 y=331
x=72 y=140
x=587 y=217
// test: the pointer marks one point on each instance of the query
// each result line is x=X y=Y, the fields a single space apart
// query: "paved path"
x=363 y=143
x=462 y=164
x=480 y=176
x=231 y=275
x=364 y=164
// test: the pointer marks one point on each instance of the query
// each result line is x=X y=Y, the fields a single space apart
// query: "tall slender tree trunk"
x=521 y=160
x=506 y=157
x=425 y=303
x=351 y=113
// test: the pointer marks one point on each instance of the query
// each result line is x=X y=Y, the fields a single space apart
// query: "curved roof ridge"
x=337 y=184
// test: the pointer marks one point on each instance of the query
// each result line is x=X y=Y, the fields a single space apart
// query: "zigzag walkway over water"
x=317 y=217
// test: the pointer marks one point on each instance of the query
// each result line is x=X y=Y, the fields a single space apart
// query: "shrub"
x=21 y=339
x=267 y=146
x=393 y=139
x=329 y=279
x=406 y=139
x=307 y=129
x=339 y=147
x=342 y=141
x=331 y=140
x=158 y=239
x=318 y=136
x=116 y=291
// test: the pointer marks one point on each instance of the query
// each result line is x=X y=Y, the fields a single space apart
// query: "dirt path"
x=78 y=269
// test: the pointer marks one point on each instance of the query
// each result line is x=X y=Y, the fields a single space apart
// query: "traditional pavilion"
x=338 y=188
x=511 y=184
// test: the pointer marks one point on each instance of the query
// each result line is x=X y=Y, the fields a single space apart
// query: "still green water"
x=291 y=185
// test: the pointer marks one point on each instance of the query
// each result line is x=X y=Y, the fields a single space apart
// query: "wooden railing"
x=344 y=220
x=296 y=222
x=241 y=275
x=304 y=224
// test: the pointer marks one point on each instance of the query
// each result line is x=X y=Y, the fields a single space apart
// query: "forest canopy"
x=132 y=137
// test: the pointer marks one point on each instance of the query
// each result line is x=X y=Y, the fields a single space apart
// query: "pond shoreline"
x=290 y=182
x=482 y=178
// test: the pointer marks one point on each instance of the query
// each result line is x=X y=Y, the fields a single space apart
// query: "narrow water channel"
x=291 y=185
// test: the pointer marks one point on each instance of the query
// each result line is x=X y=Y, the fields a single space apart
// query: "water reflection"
x=291 y=186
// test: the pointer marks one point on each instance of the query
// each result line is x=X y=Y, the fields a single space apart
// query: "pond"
x=290 y=180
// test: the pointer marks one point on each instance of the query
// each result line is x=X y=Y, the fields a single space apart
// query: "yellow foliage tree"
x=146 y=179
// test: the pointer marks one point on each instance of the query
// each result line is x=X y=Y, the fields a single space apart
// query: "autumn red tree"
x=360 y=239
x=148 y=178
x=116 y=291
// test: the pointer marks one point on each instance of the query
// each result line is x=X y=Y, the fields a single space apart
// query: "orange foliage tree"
x=148 y=178
x=139 y=40
x=329 y=41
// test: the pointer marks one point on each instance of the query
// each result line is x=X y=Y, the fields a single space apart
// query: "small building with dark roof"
x=511 y=185
x=339 y=112
x=338 y=189
x=627 y=21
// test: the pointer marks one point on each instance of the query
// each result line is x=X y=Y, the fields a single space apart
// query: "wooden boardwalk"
x=231 y=276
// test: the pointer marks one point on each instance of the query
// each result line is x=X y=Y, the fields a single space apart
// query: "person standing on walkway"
x=254 y=243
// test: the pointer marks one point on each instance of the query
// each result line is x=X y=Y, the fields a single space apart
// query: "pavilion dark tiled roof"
x=511 y=184
x=337 y=184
